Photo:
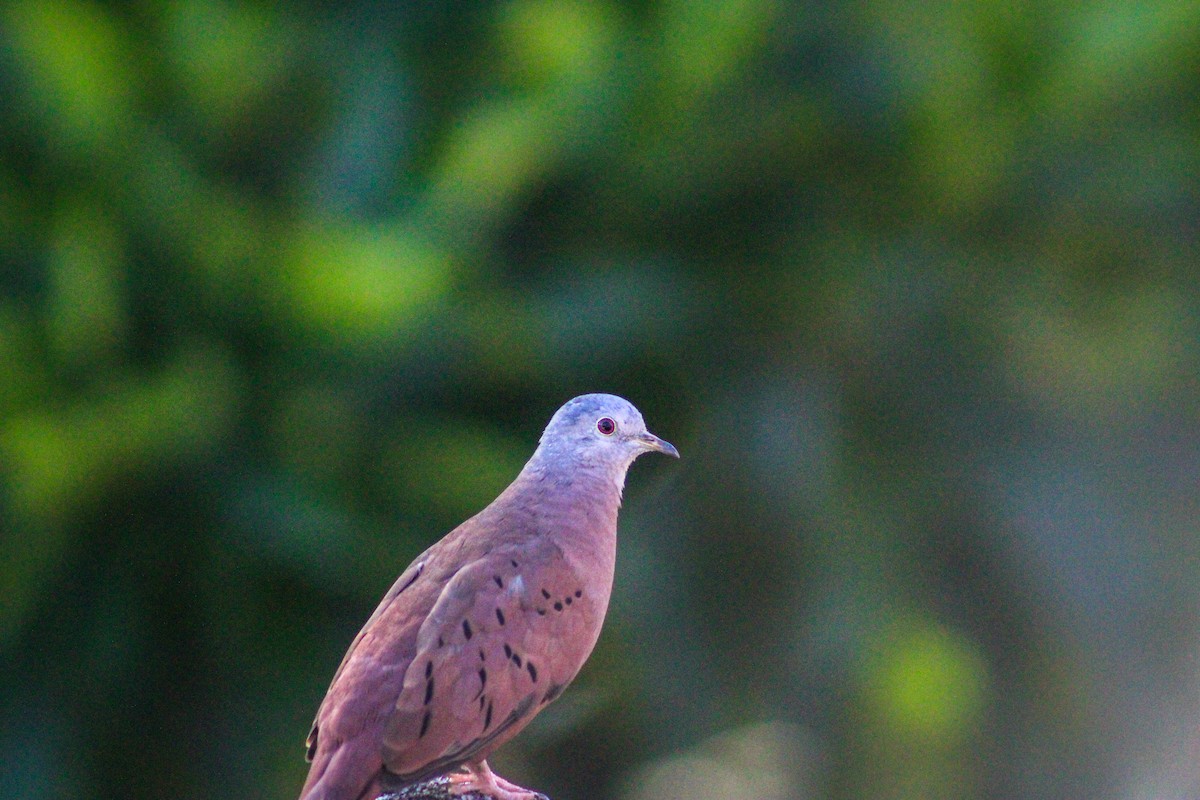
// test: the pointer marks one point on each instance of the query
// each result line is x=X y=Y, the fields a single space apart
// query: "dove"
x=488 y=626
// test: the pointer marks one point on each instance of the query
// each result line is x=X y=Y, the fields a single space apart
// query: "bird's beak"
x=651 y=442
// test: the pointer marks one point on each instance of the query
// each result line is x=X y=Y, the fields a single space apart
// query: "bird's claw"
x=479 y=779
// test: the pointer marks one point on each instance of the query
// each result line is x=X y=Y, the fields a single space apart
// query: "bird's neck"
x=576 y=505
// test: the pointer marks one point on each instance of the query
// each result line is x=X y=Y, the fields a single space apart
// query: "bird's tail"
x=329 y=779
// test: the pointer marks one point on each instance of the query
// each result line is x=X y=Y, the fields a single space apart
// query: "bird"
x=488 y=626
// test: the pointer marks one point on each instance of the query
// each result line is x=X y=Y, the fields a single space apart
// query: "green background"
x=286 y=292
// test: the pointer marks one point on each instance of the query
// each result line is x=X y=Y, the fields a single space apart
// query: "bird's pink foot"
x=479 y=779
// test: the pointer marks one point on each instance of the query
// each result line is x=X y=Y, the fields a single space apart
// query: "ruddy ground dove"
x=486 y=627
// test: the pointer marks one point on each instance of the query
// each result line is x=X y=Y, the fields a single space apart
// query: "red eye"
x=606 y=426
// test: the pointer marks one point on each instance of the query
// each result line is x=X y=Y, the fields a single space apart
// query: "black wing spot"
x=499 y=582
x=532 y=671
x=516 y=660
x=441 y=642
x=579 y=592
x=424 y=724
x=428 y=691
x=552 y=693
x=482 y=655
x=467 y=630
x=514 y=563
x=487 y=719
x=428 y=669
x=521 y=708
x=500 y=616
x=558 y=606
x=482 y=679
x=568 y=599
x=507 y=651
x=545 y=594
x=541 y=612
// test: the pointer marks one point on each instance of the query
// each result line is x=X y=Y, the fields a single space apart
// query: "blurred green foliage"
x=286 y=292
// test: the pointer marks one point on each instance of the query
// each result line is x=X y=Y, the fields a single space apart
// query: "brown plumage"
x=486 y=627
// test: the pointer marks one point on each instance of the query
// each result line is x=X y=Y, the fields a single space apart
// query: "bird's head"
x=600 y=430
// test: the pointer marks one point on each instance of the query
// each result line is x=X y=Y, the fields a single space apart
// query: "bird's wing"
x=343 y=744
x=508 y=632
x=406 y=579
